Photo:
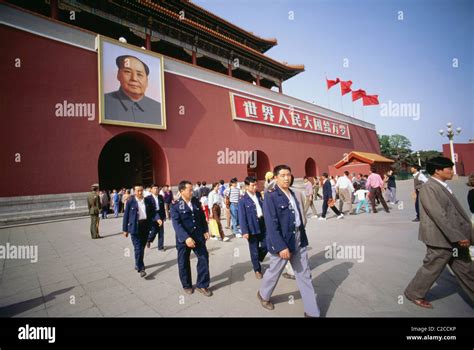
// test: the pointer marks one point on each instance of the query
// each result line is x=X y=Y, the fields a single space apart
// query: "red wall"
x=60 y=155
x=465 y=151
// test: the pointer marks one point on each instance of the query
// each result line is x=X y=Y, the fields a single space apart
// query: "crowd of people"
x=272 y=217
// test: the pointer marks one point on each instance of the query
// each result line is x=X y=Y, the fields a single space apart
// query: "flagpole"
x=342 y=108
x=352 y=109
x=327 y=90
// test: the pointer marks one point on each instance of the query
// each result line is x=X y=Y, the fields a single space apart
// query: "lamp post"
x=419 y=160
x=450 y=134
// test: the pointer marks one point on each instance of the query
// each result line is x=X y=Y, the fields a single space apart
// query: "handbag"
x=213 y=228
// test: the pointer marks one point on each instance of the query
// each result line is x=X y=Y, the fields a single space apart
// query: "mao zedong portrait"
x=129 y=102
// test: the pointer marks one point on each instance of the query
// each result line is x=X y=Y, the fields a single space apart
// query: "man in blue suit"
x=252 y=224
x=190 y=226
x=157 y=204
x=286 y=241
x=136 y=222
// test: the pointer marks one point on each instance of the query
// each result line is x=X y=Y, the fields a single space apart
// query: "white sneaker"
x=340 y=216
x=214 y=238
x=238 y=235
x=322 y=219
x=314 y=216
x=226 y=239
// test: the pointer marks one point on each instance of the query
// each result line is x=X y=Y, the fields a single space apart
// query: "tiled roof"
x=150 y=4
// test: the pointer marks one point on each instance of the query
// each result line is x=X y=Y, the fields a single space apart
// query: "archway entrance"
x=257 y=166
x=310 y=167
x=131 y=158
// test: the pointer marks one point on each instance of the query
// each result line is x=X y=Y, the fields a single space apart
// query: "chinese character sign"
x=253 y=110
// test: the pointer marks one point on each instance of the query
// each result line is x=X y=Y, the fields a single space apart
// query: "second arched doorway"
x=310 y=168
x=258 y=165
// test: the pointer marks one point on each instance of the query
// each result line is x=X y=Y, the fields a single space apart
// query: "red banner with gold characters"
x=254 y=110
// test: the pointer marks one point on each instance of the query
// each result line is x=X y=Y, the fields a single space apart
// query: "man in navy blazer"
x=252 y=224
x=136 y=222
x=190 y=226
x=286 y=241
x=158 y=215
x=327 y=195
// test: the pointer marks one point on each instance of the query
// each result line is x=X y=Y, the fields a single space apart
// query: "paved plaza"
x=79 y=277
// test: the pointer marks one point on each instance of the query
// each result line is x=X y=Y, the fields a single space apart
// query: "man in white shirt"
x=158 y=219
x=345 y=188
x=136 y=222
x=418 y=180
x=252 y=224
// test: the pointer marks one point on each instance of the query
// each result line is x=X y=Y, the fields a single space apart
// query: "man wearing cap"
x=129 y=102
x=93 y=204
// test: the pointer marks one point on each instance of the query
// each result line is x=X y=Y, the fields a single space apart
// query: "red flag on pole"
x=357 y=94
x=331 y=83
x=368 y=100
x=346 y=87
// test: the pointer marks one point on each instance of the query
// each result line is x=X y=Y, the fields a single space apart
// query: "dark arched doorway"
x=310 y=167
x=258 y=165
x=131 y=158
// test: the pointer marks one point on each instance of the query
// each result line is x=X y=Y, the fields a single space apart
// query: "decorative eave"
x=364 y=157
x=266 y=43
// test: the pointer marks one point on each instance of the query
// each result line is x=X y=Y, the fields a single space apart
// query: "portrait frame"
x=108 y=51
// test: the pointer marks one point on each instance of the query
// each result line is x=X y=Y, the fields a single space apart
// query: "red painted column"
x=54 y=9
x=148 y=41
x=194 y=58
x=280 y=87
x=229 y=69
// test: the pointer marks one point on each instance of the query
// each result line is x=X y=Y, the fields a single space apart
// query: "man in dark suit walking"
x=190 y=226
x=252 y=224
x=447 y=232
x=137 y=218
x=158 y=217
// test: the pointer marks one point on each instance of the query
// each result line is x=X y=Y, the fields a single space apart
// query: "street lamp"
x=419 y=160
x=450 y=134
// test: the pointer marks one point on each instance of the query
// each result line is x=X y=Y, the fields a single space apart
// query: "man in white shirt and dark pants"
x=345 y=188
x=252 y=224
x=136 y=222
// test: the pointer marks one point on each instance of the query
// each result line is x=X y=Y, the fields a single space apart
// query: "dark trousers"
x=376 y=193
x=258 y=247
x=417 y=204
x=184 y=265
x=94 y=226
x=160 y=232
x=139 y=242
x=105 y=211
x=433 y=265
x=326 y=206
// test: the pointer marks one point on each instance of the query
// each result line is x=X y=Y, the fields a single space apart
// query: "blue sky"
x=407 y=61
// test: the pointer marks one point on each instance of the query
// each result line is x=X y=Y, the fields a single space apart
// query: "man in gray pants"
x=286 y=241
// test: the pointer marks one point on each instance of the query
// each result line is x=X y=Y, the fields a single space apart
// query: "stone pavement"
x=80 y=277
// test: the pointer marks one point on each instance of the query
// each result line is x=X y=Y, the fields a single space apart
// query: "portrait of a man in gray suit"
x=129 y=102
